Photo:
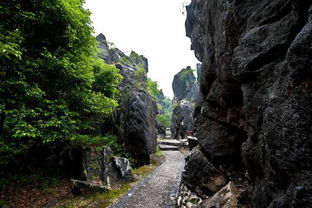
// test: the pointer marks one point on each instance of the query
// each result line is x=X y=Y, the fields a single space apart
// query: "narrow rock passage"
x=159 y=189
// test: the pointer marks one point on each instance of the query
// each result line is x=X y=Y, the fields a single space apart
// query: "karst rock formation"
x=135 y=119
x=255 y=100
x=185 y=90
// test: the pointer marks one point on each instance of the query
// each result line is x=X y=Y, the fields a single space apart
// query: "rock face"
x=135 y=120
x=141 y=123
x=182 y=121
x=198 y=71
x=161 y=130
x=255 y=99
x=185 y=89
x=200 y=175
x=184 y=85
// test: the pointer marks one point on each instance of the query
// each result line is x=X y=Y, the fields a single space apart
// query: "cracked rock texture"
x=255 y=101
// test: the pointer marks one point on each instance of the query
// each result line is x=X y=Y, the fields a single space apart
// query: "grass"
x=111 y=196
x=144 y=170
x=158 y=151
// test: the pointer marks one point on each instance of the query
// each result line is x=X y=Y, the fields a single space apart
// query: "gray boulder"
x=200 y=175
x=86 y=188
x=124 y=168
x=101 y=167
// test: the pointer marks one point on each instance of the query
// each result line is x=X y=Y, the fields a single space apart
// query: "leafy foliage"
x=99 y=141
x=165 y=117
x=139 y=78
x=152 y=88
x=163 y=103
x=187 y=72
x=51 y=82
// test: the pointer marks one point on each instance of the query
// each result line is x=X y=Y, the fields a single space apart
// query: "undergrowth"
x=101 y=141
x=106 y=199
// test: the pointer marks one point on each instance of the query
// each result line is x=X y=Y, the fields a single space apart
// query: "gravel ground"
x=160 y=189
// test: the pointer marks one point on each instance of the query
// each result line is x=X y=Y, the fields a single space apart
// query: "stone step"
x=164 y=147
x=171 y=142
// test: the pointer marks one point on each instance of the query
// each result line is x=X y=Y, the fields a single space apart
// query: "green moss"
x=139 y=78
x=144 y=170
x=186 y=72
x=158 y=151
x=165 y=119
x=124 y=60
x=111 y=196
x=135 y=57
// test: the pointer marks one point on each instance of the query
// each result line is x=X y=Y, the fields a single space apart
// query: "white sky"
x=153 y=28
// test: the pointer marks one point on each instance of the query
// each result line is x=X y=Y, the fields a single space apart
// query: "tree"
x=163 y=103
x=152 y=88
x=51 y=82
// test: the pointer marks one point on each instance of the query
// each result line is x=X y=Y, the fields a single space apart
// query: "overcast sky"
x=153 y=28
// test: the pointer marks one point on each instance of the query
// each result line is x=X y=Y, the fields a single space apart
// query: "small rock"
x=124 y=167
x=192 y=142
x=189 y=205
x=179 y=201
x=85 y=188
x=225 y=198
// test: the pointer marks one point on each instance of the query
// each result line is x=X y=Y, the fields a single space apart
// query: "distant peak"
x=101 y=36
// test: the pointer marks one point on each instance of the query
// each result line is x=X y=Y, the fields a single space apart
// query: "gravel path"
x=159 y=189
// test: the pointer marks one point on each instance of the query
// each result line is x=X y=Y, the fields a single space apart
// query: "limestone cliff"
x=135 y=119
x=255 y=99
